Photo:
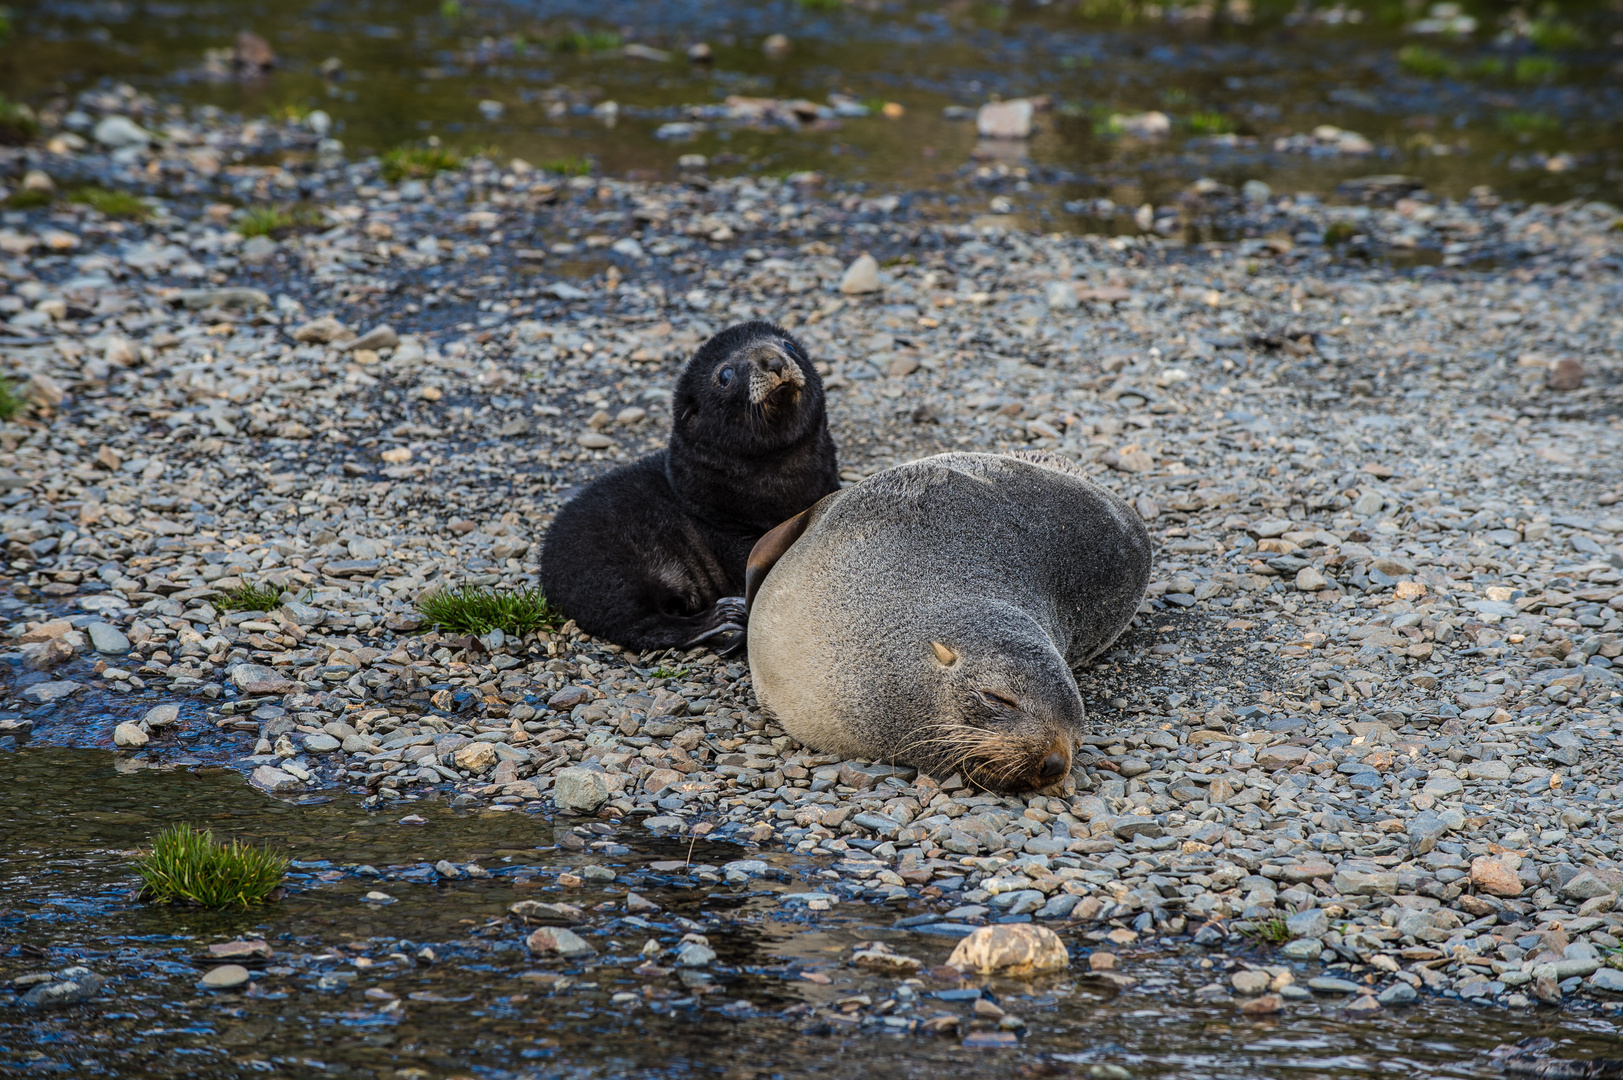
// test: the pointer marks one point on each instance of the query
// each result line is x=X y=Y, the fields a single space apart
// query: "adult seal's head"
x=932 y=614
x=1006 y=711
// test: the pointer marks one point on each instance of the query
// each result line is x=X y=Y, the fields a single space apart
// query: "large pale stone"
x=475 y=757
x=580 y=789
x=862 y=276
x=129 y=736
x=273 y=779
x=225 y=977
x=1016 y=948
x=1004 y=119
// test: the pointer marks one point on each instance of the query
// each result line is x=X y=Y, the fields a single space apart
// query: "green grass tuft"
x=1210 y=123
x=12 y=403
x=1552 y=35
x=249 y=598
x=188 y=865
x=29 y=199
x=17 y=123
x=822 y=5
x=1269 y=931
x=1527 y=123
x=1339 y=232
x=1488 y=67
x=117 y=204
x=417 y=163
x=1420 y=60
x=569 y=166
x=263 y=220
x=471 y=609
x=450 y=10
x=585 y=41
x=1535 y=69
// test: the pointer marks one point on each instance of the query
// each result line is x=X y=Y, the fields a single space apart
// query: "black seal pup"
x=652 y=555
x=932 y=614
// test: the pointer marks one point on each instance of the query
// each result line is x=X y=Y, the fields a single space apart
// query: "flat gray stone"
x=261 y=679
x=1312 y=923
x=321 y=744
x=161 y=715
x=46 y=693
x=274 y=780
x=108 y=639
x=1324 y=984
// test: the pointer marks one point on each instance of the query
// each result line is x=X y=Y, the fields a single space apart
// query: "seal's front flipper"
x=723 y=627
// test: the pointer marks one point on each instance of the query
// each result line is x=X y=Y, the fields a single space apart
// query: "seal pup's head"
x=750 y=388
x=1007 y=713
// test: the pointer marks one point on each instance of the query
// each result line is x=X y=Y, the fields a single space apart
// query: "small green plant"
x=1339 y=232
x=1536 y=69
x=1527 y=123
x=119 y=204
x=1209 y=123
x=450 y=10
x=29 y=199
x=12 y=403
x=249 y=598
x=263 y=220
x=586 y=41
x=6 y=25
x=1554 y=34
x=569 y=166
x=1429 y=63
x=187 y=865
x=17 y=122
x=471 y=609
x=822 y=5
x=664 y=671
x=1488 y=67
x=1269 y=931
x=417 y=163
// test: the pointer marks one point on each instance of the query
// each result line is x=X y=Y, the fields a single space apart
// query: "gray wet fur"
x=1018 y=564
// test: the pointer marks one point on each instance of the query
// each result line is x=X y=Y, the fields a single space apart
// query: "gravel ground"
x=1370 y=705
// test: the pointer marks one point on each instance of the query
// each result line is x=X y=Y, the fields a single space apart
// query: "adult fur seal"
x=933 y=612
x=652 y=555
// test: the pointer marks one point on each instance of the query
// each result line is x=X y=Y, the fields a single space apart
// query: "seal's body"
x=932 y=614
x=652 y=555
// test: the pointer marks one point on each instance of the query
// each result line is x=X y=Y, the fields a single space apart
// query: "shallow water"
x=484 y=1007
x=415 y=68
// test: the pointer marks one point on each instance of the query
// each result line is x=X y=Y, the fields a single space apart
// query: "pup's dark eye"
x=725 y=376
x=997 y=699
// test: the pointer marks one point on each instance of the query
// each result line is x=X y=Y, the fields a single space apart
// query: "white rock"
x=1062 y=296
x=116 y=132
x=861 y=276
x=129 y=735
x=1004 y=119
x=225 y=977
x=161 y=715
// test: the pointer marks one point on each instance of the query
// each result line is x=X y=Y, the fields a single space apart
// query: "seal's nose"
x=769 y=360
x=1052 y=768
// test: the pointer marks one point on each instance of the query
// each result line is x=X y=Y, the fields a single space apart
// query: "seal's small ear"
x=769 y=549
x=944 y=654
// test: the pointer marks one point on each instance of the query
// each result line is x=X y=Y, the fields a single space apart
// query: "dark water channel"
x=350 y=991
x=1525 y=99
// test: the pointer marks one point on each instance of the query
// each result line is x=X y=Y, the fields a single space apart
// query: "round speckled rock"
x=225 y=977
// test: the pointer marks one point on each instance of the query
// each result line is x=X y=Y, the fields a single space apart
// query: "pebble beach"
x=1370 y=711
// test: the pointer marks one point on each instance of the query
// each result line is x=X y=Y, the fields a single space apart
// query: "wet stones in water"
x=129 y=736
x=67 y=987
x=558 y=941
